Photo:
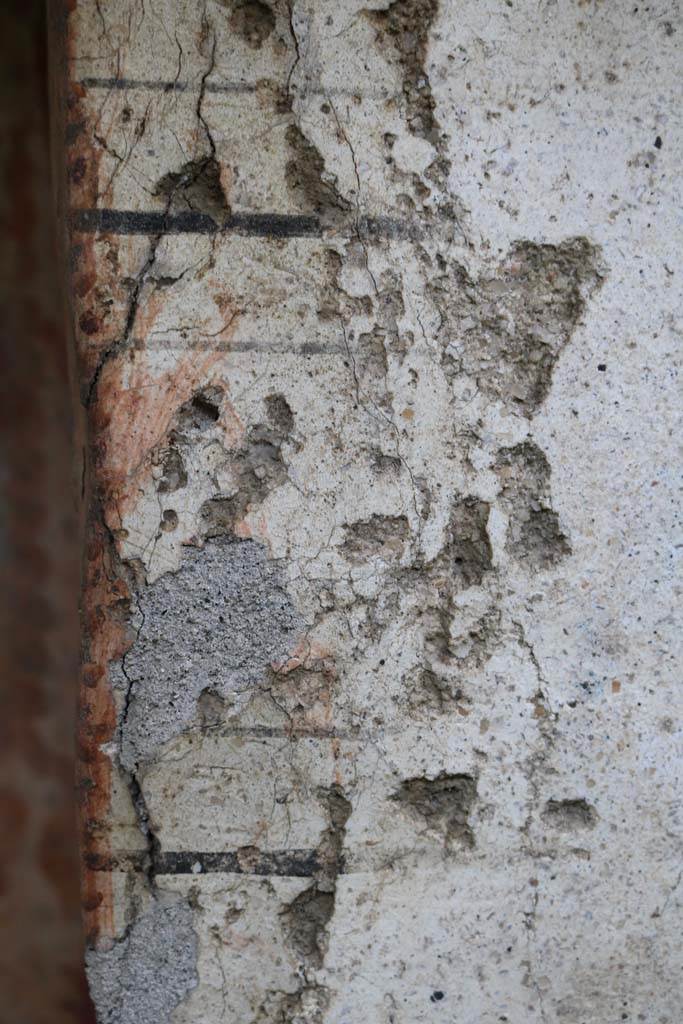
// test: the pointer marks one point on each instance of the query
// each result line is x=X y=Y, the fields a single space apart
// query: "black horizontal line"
x=144 y=222
x=194 y=343
x=157 y=85
x=285 y=863
x=236 y=88
x=266 y=225
x=275 y=349
x=288 y=733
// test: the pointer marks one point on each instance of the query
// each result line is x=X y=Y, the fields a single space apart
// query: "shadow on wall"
x=41 y=942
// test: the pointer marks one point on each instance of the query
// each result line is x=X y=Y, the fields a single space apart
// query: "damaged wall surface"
x=375 y=305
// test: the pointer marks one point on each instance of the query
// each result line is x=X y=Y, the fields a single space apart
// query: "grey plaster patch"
x=149 y=972
x=216 y=625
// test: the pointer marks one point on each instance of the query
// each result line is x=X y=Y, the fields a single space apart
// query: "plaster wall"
x=377 y=317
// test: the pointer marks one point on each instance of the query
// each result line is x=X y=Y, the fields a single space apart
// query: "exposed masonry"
x=306 y=1006
x=197 y=187
x=312 y=191
x=379 y=537
x=253 y=20
x=406 y=24
x=569 y=815
x=506 y=332
x=444 y=803
x=303 y=697
x=150 y=970
x=216 y=625
x=441 y=684
x=534 y=534
x=466 y=556
x=193 y=419
x=307 y=917
x=194 y=466
x=257 y=468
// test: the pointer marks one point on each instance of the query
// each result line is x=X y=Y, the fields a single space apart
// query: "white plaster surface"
x=544 y=678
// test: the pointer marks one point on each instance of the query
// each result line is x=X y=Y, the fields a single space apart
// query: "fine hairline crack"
x=140 y=807
x=121 y=344
x=295 y=40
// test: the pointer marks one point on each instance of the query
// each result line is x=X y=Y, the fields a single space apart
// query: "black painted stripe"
x=283 y=863
x=225 y=88
x=288 y=733
x=194 y=343
x=264 y=225
x=156 y=85
x=144 y=222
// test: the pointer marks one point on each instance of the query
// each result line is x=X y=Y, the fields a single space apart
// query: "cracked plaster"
x=425 y=397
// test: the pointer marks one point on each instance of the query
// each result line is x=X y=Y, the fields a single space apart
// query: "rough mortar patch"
x=148 y=972
x=217 y=624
